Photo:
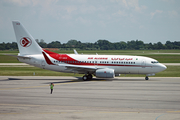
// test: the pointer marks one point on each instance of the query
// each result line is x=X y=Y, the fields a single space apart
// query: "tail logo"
x=25 y=42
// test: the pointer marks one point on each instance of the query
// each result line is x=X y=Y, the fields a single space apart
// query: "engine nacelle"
x=105 y=73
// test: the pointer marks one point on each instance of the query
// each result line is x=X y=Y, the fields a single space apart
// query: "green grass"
x=29 y=71
x=162 y=58
x=8 y=59
x=171 y=71
x=9 y=51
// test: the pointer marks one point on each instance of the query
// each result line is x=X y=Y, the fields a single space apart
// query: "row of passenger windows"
x=106 y=62
x=75 y=61
x=124 y=62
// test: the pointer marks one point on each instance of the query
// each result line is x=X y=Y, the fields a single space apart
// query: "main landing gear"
x=87 y=77
x=146 y=78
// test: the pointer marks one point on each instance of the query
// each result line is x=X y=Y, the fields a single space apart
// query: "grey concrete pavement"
x=124 y=98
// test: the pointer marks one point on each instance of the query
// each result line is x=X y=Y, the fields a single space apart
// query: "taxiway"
x=124 y=98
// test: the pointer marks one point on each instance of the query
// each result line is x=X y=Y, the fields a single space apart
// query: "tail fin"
x=26 y=43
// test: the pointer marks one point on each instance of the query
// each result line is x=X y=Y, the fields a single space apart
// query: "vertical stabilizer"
x=26 y=43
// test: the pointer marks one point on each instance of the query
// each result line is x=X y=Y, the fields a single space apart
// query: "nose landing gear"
x=146 y=78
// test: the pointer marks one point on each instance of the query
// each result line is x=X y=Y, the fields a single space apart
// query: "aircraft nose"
x=163 y=67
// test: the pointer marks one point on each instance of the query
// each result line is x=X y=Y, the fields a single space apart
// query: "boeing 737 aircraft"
x=102 y=66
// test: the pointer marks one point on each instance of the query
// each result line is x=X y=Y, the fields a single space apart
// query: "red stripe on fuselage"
x=47 y=59
x=59 y=57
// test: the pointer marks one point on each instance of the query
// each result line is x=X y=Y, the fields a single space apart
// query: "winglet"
x=75 y=52
x=48 y=61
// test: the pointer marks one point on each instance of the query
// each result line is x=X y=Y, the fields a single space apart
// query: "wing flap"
x=79 y=68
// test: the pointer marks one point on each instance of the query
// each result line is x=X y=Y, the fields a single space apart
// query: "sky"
x=91 y=20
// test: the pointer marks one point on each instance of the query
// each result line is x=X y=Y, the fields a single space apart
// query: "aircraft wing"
x=24 y=57
x=79 y=69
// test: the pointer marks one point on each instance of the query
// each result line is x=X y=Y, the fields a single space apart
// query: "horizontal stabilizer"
x=25 y=57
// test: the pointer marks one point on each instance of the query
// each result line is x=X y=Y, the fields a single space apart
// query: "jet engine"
x=105 y=73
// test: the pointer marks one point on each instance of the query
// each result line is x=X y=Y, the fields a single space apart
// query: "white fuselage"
x=120 y=63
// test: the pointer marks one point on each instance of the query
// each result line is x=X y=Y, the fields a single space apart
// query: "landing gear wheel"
x=84 y=77
x=89 y=77
x=146 y=78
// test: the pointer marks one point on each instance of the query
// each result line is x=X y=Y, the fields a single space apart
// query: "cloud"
x=130 y=5
x=19 y=2
x=23 y=3
x=83 y=20
x=120 y=13
x=156 y=12
x=173 y=13
x=168 y=1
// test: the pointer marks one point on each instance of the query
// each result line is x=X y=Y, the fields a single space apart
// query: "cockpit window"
x=154 y=62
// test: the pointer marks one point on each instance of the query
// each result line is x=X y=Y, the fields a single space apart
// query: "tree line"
x=99 y=45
